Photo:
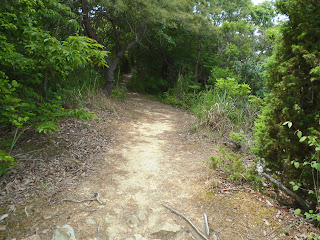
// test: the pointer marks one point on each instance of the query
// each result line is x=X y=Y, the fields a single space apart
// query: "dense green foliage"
x=201 y=52
x=33 y=62
x=227 y=107
x=35 y=59
x=293 y=81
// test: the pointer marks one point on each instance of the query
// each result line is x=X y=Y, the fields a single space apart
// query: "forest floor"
x=140 y=157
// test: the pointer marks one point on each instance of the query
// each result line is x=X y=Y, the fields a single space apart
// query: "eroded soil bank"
x=155 y=160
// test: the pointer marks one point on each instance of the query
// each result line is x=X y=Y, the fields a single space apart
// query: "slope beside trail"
x=154 y=161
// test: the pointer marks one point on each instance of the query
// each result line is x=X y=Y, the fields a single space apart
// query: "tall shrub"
x=293 y=81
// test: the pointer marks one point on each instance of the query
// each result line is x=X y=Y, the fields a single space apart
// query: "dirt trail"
x=149 y=165
x=155 y=161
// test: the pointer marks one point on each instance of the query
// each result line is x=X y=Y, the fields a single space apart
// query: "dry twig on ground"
x=185 y=218
x=95 y=198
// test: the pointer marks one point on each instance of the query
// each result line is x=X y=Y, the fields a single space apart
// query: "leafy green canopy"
x=293 y=79
x=32 y=60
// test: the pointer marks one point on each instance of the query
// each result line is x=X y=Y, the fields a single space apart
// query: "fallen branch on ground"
x=95 y=198
x=185 y=218
x=206 y=224
x=299 y=200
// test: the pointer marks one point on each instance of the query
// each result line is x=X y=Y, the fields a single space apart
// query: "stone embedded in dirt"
x=214 y=236
x=129 y=239
x=167 y=230
x=90 y=221
x=133 y=220
x=111 y=234
x=139 y=237
x=64 y=233
x=33 y=237
x=142 y=215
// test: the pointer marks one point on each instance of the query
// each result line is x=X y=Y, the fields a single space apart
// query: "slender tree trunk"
x=112 y=63
x=110 y=73
x=196 y=67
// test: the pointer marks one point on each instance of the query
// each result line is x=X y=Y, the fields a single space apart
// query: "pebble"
x=142 y=215
x=111 y=234
x=139 y=237
x=167 y=229
x=33 y=237
x=90 y=221
x=64 y=233
x=133 y=220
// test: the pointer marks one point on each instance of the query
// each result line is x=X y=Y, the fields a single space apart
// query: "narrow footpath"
x=155 y=161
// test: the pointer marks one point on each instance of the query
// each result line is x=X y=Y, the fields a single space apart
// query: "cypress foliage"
x=293 y=80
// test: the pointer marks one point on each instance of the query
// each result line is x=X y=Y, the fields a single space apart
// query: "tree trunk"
x=196 y=67
x=110 y=71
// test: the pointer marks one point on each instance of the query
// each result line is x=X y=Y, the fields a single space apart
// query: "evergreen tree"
x=293 y=82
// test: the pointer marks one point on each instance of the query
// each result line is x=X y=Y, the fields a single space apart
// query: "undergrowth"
x=226 y=107
x=80 y=92
x=234 y=168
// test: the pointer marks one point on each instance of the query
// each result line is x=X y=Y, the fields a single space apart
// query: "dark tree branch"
x=136 y=39
x=299 y=200
x=86 y=22
x=116 y=32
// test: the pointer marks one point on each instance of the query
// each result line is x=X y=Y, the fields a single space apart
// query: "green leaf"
x=303 y=139
x=297 y=165
x=295 y=188
x=297 y=211
x=299 y=134
x=315 y=165
x=15 y=83
x=308 y=215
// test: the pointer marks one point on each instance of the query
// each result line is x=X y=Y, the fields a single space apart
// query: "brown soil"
x=155 y=159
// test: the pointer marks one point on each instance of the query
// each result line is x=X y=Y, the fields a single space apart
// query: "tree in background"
x=218 y=40
x=293 y=81
x=120 y=25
